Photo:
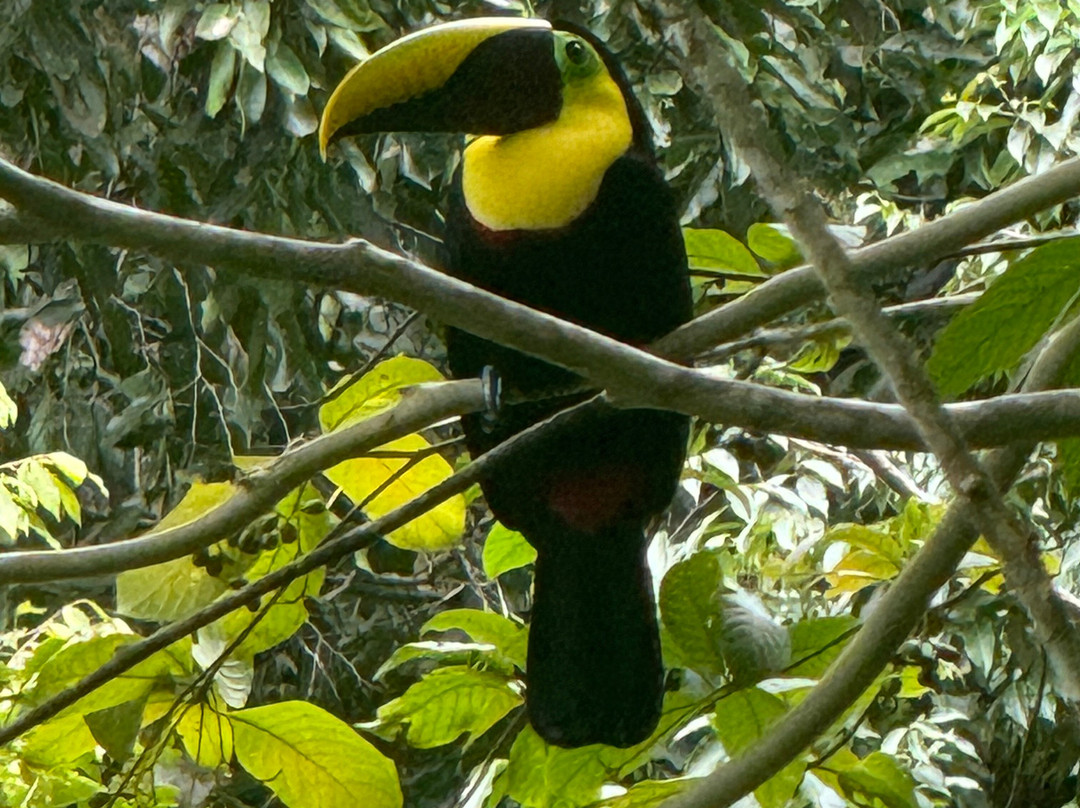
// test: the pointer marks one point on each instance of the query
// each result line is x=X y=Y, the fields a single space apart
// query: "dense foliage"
x=136 y=393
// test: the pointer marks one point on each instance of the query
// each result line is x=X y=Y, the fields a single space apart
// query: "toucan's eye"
x=576 y=52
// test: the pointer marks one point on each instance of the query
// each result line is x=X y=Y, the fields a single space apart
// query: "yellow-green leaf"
x=207 y=735
x=377 y=390
x=772 y=243
x=448 y=703
x=715 y=249
x=310 y=759
x=505 y=550
x=175 y=589
x=439 y=528
x=9 y=410
x=543 y=776
x=508 y=637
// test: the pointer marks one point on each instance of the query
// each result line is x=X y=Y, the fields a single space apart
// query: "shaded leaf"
x=993 y=333
x=690 y=609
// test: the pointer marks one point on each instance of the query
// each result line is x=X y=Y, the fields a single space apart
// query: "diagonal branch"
x=128 y=656
x=257 y=494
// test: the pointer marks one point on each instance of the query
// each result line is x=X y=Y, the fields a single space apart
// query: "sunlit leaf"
x=310 y=759
x=547 y=776
x=438 y=529
x=448 y=703
x=508 y=637
x=715 y=249
x=505 y=550
x=377 y=390
x=772 y=243
x=879 y=777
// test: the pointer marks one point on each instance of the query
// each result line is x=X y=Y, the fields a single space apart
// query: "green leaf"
x=650 y=793
x=9 y=410
x=543 y=776
x=222 y=72
x=508 y=637
x=217 y=21
x=740 y=720
x=11 y=515
x=815 y=643
x=505 y=550
x=715 y=249
x=690 y=610
x=310 y=759
x=281 y=621
x=444 y=652
x=377 y=390
x=58 y=742
x=44 y=485
x=285 y=68
x=993 y=333
x=78 y=659
x=879 y=778
x=1068 y=461
x=251 y=94
x=745 y=716
x=772 y=242
x=447 y=703
x=117 y=728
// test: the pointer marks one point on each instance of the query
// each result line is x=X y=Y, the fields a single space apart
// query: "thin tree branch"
x=778 y=337
x=128 y=656
x=256 y=494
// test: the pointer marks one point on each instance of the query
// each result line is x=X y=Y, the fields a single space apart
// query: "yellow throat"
x=545 y=178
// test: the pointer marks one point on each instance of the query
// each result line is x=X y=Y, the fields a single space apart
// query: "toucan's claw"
x=492 y=383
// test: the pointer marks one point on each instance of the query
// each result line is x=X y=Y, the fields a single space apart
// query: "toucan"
x=558 y=203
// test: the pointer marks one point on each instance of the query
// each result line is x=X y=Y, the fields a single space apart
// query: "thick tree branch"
x=631 y=376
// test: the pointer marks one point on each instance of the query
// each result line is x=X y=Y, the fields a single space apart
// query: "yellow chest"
x=545 y=178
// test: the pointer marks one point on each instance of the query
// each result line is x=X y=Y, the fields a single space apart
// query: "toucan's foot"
x=492 y=383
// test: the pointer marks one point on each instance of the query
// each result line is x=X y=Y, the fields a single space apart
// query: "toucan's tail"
x=594 y=669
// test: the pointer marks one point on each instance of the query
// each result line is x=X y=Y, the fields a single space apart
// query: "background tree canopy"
x=150 y=377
